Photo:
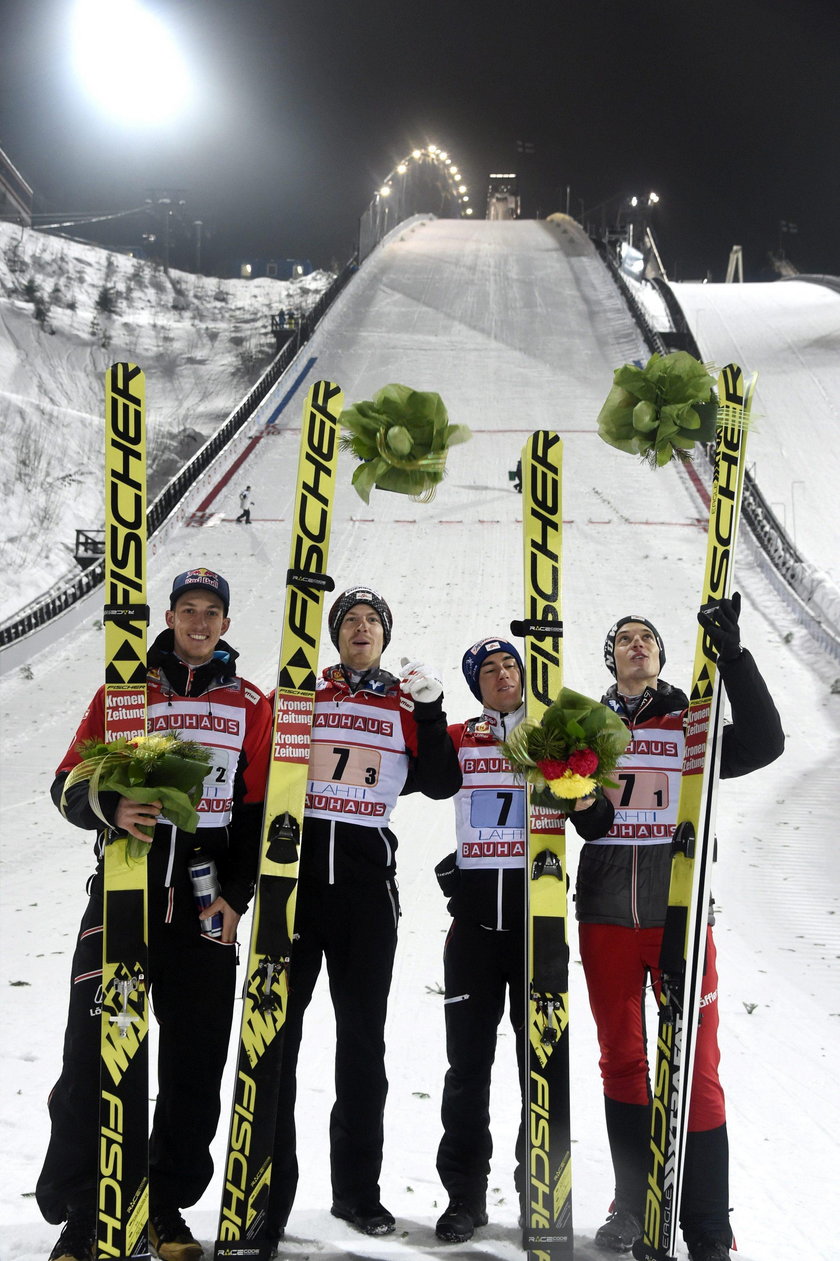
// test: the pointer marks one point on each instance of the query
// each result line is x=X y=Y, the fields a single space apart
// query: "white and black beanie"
x=609 y=642
x=474 y=659
x=359 y=595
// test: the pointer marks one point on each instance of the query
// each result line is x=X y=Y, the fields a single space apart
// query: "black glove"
x=720 y=622
x=448 y=874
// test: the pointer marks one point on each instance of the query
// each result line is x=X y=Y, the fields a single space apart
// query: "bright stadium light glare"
x=128 y=61
x=385 y=190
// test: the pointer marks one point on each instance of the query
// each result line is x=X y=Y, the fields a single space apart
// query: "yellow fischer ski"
x=123 y=1175
x=247 y=1173
x=684 y=938
x=547 y=1221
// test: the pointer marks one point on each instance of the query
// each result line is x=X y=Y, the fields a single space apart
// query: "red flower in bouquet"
x=584 y=762
x=552 y=768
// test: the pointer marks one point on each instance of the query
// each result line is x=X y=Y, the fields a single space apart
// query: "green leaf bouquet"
x=148 y=768
x=660 y=411
x=402 y=436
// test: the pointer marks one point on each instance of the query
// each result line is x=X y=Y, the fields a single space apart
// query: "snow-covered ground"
x=201 y=340
x=518 y=326
x=791 y=331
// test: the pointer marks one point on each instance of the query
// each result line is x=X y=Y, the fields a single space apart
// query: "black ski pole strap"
x=283 y=839
x=551 y=955
x=272 y=937
x=529 y=626
x=302 y=578
x=126 y=612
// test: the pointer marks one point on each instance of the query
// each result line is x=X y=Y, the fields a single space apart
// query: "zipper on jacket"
x=634 y=868
x=331 y=854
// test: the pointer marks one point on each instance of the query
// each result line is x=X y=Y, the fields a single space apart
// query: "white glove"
x=421 y=682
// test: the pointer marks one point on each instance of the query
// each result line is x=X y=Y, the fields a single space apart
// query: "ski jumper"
x=484 y=953
x=369 y=746
x=191 y=976
x=621 y=901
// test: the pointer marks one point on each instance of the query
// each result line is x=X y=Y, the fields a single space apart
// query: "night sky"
x=728 y=109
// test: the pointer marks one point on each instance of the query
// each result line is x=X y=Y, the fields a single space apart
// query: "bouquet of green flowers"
x=570 y=753
x=660 y=411
x=149 y=768
x=402 y=436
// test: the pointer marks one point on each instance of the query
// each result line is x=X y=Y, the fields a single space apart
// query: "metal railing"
x=73 y=588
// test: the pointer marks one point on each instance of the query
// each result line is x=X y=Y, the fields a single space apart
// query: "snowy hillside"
x=792 y=329
x=518 y=326
x=68 y=310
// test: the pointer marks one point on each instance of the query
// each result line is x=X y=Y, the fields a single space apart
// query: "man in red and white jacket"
x=374 y=738
x=621 y=902
x=194 y=692
x=484 y=954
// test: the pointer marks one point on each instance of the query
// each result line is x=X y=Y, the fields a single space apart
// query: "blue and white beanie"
x=474 y=659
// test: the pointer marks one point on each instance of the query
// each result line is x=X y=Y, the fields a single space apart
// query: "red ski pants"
x=618 y=963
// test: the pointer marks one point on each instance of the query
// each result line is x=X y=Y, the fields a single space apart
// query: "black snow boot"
x=77 y=1241
x=704 y=1210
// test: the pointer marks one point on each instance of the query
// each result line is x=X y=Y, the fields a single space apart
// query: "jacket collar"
x=662 y=699
x=187 y=680
x=501 y=725
x=377 y=681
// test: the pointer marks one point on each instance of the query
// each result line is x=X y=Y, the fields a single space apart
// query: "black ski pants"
x=481 y=967
x=353 y=928
x=192 y=982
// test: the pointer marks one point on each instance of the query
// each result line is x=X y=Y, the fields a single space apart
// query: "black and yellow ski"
x=684 y=939
x=123 y=1175
x=247 y=1173
x=547 y=1217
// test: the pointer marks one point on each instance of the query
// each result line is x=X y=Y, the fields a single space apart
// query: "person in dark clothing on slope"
x=194 y=692
x=621 y=900
x=374 y=737
x=245 y=502
x=484 y=954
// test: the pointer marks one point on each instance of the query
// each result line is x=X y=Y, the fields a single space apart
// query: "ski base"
x=123 y=1173
x=248 y=1163
x=685 y=929
x=547 y=1212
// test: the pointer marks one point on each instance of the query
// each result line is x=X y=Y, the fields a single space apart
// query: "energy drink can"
x=205 y=884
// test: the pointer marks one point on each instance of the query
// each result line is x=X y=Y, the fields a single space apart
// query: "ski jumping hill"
x=518 y=326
